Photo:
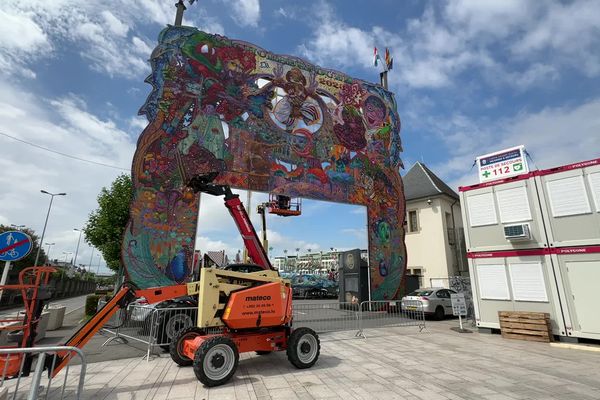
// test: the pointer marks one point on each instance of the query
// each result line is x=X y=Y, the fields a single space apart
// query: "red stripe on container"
x=568 y=167
x=508 y=253
x=496 y=182
x=576 y=250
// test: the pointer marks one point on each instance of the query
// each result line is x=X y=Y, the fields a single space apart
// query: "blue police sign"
x=14 y=245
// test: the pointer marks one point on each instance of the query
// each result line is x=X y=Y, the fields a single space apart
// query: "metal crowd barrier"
x=153 y=327
x=327 y=316
x=336 y=316
x=34 y=385
x=377 y=314
x=156 y=327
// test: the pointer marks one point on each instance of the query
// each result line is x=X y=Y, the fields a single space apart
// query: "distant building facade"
x=434 y=231
x=312 y=262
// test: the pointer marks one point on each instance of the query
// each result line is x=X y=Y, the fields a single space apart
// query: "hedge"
x=91 y=304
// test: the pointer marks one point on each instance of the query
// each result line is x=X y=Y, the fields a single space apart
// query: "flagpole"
x=384 y=81
x=387 y=65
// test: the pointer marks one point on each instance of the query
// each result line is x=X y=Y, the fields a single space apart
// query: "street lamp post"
x=78 y=241
x=91 y=257
x=98 y=267
x=37 y=256
x=48 y=252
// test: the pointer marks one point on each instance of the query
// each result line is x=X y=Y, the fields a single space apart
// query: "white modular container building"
x=533 y=244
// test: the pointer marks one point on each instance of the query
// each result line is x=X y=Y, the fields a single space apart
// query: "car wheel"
x=215 y=361
x=439 y=313
x=303 y=348
x=170 y=326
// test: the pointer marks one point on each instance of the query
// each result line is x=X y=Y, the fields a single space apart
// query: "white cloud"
x=490 y=18
x=114 y=24
x=336 y=44
x=500 y=40
x=246 y=12
x=20 y=39
x=360 y=234
x=205 y=244
x=62 y=124
x=553 y=136
x=20 y=32
x=138 y=123
x=568 y=31
x=102 y=32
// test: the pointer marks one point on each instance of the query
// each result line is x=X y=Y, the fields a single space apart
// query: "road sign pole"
x=4 y=276
x=460 y=321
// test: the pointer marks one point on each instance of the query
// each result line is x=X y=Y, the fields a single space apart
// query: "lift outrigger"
x=251 y=311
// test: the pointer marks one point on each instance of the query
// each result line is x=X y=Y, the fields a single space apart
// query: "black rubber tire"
x=297 y=352
x=175 y=346
x=205 y=350
x=263 y=352
x=162 y=335
x=439 y=313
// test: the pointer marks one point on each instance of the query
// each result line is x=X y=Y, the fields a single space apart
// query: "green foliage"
x=91 y=304
x=30 y=259
x=105 y=226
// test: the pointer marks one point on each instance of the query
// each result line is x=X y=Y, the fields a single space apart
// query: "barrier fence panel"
x=156 y=327
x=378 y=314
x=327 y=316
x=13 y=385
x=133 y=323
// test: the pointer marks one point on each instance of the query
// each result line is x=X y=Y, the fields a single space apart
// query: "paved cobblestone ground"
x=393 y=363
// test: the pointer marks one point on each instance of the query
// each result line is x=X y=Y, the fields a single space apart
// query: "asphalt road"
x=72 y=304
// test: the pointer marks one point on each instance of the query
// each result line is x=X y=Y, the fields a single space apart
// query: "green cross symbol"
x=486 y=174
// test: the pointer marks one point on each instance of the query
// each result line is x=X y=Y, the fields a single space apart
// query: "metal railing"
x=377 y=314
x=156 y=327
x=21 y=385
x=335 y=316
x=327 y=316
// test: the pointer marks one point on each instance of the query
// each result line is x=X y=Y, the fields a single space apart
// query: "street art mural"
x=267 y=123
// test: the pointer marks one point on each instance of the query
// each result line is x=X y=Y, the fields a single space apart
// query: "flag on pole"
x=375 y=56
x=389 y=60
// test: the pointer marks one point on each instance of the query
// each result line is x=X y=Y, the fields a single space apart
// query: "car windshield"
x=421 y=293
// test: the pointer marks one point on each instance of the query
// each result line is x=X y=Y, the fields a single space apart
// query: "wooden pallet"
x=531 y=326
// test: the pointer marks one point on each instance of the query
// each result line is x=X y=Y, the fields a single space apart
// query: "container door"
x=584 y=279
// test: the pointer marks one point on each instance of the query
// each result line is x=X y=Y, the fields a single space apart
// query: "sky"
x=470 y=77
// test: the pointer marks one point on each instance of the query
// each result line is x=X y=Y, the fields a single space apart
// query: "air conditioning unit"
x=517 y=232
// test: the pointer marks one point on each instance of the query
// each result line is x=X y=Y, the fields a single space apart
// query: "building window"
x=413 y=221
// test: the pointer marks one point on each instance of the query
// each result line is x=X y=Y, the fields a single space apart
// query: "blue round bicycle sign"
x=14 y=245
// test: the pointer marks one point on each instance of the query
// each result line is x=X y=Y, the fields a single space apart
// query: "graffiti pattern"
x=268 y=123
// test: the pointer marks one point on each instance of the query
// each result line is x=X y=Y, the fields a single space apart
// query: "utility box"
x=353 y=277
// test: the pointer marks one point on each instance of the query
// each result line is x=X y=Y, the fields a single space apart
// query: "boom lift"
x=243 y=311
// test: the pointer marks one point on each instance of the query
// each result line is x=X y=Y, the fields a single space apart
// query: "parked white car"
x=434 y=301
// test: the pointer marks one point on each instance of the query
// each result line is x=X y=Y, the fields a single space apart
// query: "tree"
x=30 y=259
x=105 y=226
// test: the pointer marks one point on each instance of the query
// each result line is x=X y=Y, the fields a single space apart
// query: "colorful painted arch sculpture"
x=268 y=123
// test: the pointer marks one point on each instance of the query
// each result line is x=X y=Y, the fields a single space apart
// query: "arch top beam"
x=266 y=122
